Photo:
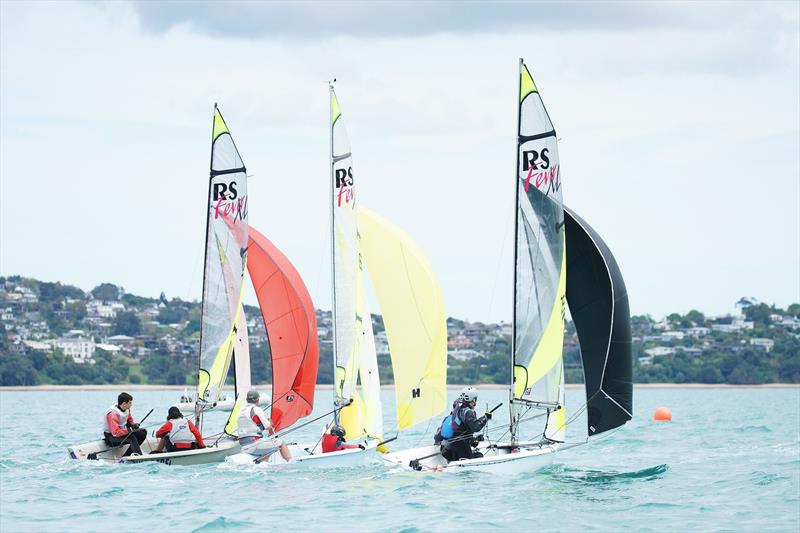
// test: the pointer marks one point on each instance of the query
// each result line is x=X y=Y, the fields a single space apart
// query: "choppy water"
x=730 y=461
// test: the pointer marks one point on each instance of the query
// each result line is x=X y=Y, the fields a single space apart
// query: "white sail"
x=540 y=268
x=225 y=261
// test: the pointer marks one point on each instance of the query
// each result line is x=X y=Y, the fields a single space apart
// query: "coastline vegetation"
x=134 y=339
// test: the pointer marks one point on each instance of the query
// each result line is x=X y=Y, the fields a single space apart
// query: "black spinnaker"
x=598 y=303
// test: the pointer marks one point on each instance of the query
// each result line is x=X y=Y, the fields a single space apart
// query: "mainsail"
x=225 y=261
x=598 y=302
x=412 y=307
x=540 y=272
x=353 y=345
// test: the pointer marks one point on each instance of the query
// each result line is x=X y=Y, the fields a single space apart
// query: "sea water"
x=729 y=461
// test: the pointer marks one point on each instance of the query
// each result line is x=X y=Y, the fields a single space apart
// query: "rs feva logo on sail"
x=344 y=184
x=227 y=203
x=540 y=172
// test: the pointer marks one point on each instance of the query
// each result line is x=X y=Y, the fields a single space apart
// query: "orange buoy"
x=662 y=414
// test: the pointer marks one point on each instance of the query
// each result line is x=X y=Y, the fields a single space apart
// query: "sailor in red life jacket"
x=334 y=441
x=178 y=433
x=119 y=427
x=252 y=423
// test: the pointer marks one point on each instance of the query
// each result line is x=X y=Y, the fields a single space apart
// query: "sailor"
x=252 y=423
x=458 y=440
x=334 y=440
x=178 y=433
x=120 y=428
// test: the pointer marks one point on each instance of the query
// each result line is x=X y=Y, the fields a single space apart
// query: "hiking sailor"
x=252 y=422
x=119 y=427
x=456 y=434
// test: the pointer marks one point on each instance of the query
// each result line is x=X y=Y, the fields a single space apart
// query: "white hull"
x=301 y=457
x=498 y=458
x=100 y=451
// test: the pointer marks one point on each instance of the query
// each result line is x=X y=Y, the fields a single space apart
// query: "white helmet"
x=469 y=394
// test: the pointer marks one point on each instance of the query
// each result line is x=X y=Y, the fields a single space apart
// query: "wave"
x=573 y=475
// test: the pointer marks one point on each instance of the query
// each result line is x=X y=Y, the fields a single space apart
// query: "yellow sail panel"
x=412 y=306
x=233 y=418
x=526 y=84
x=214 y=378
x=336 y=111
x=219 y=124
x=351 y=418
x=549 y=350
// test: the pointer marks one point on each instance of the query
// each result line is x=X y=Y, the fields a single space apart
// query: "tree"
x=127 y=323
x=758 y=313
x=17 y=370
x=696 y=317
x=794 y=310
x=106 y=292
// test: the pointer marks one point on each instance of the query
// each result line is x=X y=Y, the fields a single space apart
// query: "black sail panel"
x=598 y=303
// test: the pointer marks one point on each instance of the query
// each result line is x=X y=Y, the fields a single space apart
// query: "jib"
x=344 y=177
x=529 y=158
x=226 y=190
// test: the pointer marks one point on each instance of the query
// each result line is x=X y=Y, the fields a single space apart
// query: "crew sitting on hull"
x=178 y=433
x=252 y=423
x=119 y=427
x=335 y=441
x=457 y=432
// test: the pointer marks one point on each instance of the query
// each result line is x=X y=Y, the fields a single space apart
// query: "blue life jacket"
x=452 y=423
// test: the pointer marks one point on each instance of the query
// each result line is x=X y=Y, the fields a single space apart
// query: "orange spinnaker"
x=291 y=327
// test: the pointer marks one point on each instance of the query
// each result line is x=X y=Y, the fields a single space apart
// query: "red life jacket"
x=332 y=443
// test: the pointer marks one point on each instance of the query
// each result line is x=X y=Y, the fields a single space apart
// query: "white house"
x=659 y=350
x=767 y=344
x=80 y=348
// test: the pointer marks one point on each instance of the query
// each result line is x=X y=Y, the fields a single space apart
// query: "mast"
x=333 y=250
x=198 y=413
x=512 y=422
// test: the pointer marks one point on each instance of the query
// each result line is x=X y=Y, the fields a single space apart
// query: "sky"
x=679 y=127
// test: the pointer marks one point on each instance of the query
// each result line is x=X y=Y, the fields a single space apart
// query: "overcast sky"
x=679 y=126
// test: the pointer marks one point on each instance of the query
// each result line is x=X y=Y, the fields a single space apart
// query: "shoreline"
x=326 y=387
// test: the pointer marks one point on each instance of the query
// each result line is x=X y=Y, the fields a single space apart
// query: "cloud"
x=685 y=161
x=321 y=19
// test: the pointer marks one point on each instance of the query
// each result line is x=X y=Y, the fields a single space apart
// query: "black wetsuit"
x=460 y=446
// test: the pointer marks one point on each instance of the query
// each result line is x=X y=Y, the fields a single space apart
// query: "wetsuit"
x=460 y=446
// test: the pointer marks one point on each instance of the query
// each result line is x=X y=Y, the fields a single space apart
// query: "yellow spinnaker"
x=549 y=351
x=412 y=306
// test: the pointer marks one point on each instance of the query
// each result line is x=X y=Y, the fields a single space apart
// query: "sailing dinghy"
x=224 y=327
x=559 y=260
x=412 y=307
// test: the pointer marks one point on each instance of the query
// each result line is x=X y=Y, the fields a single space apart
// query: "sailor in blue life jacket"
x=456 y=434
